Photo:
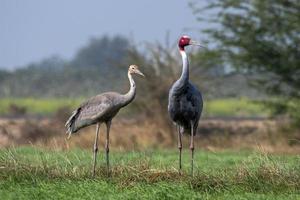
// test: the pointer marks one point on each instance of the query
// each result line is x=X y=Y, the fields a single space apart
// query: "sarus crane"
x=185 y=102
x=101 y=109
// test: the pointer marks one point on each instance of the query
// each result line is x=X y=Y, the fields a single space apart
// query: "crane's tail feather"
x=70 y=124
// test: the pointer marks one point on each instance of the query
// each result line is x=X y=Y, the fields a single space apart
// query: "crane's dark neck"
x=184 y=78
x=129 y=96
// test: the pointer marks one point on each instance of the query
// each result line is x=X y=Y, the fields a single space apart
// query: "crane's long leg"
x=96 y=148
x=107 y=144
x=179 y=147
x=192 y=148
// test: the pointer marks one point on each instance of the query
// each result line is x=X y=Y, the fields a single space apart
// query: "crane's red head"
x=184 y=41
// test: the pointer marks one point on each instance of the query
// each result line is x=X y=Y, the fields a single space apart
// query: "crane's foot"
x=180 y=172
x=180 y=165
x=192 y=161
x=94 y=161
x=107 y=161
x=93 y=173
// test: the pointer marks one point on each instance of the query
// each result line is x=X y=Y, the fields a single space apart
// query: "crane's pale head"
x=134 y=69
x=186 y=41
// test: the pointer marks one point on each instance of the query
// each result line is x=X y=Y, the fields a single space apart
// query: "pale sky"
x=31 y=30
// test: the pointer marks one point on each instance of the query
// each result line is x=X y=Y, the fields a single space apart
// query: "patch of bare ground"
x=213 y=134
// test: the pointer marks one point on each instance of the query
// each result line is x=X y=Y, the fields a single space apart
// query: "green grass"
x=30 y=173
x=37 y=106
x=241 y=107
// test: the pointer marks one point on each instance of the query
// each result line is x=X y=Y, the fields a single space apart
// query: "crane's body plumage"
x=185 y=106
x=101 y=108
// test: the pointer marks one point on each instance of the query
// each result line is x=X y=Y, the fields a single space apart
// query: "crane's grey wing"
x=196 y=103
x=88 y=113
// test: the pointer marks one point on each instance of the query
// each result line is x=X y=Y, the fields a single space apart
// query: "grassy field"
x=30 y=173
x=239 y=107
x=37 y=106
x=222 y=107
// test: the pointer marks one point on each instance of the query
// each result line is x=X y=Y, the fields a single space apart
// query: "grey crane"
x=185 y=102
x=101 y=109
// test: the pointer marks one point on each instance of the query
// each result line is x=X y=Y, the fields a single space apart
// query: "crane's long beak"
x=139 y=72
x=195 y=43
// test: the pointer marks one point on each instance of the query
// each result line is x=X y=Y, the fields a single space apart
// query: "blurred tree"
x=103 y=52
x=4 y=75
x=4 y=89
x=259 y=37
x=102 y=59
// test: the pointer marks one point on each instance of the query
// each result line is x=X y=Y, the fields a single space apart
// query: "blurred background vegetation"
x=250 y=69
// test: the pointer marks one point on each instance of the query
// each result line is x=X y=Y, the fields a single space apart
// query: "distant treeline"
x=98 y=66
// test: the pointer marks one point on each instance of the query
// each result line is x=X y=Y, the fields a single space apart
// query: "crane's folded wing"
x=94 y=108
